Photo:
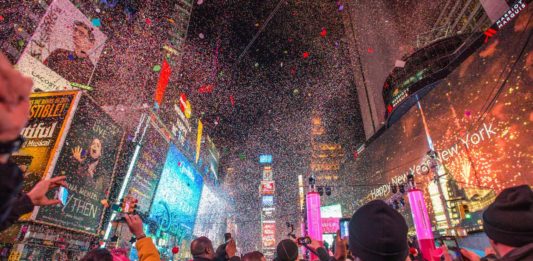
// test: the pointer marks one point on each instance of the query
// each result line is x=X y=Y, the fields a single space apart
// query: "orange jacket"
x=146 y=250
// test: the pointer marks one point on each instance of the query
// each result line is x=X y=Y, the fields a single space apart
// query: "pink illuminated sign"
x=330 y=225
x=422 y=224
x=314 y=221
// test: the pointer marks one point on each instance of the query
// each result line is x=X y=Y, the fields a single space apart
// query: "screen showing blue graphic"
x=178 y=195
x=265 y=159
x=268 y=201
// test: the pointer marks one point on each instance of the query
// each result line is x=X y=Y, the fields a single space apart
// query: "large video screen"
x=479 y=122
x=148 y=168
x=88 y=160
x=211 y=221
x=177 y=197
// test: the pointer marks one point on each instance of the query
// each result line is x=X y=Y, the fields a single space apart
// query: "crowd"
x=376 y=231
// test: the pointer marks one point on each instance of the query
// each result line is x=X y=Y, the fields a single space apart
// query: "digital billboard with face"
x=177 y=197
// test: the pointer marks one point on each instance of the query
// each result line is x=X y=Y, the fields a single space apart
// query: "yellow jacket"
x=146 y=250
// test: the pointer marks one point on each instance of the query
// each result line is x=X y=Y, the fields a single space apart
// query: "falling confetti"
x=96 y=22
x=305 y=55
x=201 y=35
x=156 y=68
x=324 y=32
x=200 y=2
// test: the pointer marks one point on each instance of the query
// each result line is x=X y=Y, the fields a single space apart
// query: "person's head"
x=287 y=250
x=98 y=254
x=502 y=219
x=202 y=247
x=120 y=254
x=95 y=150
x=83 y=38
x=254 y=256
x=378 y=233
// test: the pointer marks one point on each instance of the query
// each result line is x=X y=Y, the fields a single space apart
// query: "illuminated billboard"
x=267 y=173
x=267 y=187
x=265 y=159
x=268 y=201
x=87 y=158
x=65 y=48
x=331 y=211
x=269 y=234
x=148 y=167
x=479 y=119
x=211 y=214
x=177 y=197
x=49 y=113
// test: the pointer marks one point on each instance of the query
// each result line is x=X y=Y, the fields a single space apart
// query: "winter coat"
x=521 y=253
x=147 y=250
x=13 y=203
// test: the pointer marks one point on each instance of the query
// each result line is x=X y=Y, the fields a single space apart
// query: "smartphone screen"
x=343 y=224
x=62 y=195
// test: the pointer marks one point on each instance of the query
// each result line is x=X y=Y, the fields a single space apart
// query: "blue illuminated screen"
x=177 y=197
x=265 y=159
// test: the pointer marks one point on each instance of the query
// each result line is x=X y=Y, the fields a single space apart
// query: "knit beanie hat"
x=287 y=250
x=378 y=233
x=509 y=219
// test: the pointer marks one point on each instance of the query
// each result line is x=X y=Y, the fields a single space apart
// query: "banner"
x=148 y=168
x=88 y=160
x=65 y=48
x=48 y=116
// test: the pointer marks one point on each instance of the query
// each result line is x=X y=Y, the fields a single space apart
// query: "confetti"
x=305 y=55
x=324 y=32
x=201 y=35
x=156 y=68
x=96 y=22
x=70 y=57
x=200 y=2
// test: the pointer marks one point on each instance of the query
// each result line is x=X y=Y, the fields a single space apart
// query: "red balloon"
x=175 y=250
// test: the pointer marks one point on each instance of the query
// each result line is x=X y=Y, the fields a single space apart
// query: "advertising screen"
x=65 y=48
x=210 y=221
x=88 y=160
x=479 y=123
x=177 y=197
x=148 y=168
x=269 y=234
x=267 y=187
x=48 y=116
x=268 y=201
x=267 y=173
x=265 y=159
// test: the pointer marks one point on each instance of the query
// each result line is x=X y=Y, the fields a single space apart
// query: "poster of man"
x=66 y=43
x=88 y=159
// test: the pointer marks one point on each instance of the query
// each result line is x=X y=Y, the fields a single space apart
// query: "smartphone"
x=453 y=248
x=343 y=224
x=304 y=240
x=227 y=237
x=62 y=195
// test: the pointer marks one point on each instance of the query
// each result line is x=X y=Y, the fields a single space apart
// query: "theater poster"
x=64 y=49
x=88 y=159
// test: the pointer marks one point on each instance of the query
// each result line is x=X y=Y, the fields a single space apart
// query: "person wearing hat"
x=508 y=223
x=378 y=233
x=287 y=250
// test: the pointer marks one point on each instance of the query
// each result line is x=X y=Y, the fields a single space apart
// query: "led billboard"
x=177 y=197
x=265 y=159
x=87 y=159
x=65 y=48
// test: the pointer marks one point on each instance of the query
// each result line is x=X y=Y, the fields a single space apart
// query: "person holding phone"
x=15 y=92
x=507 y=223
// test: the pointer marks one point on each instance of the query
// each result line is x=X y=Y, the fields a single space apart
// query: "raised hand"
x=38 y=196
